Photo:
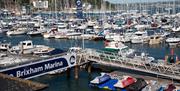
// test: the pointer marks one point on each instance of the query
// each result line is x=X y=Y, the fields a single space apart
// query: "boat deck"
x=11 y=60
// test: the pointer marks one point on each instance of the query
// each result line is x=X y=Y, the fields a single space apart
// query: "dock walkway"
x=171 y=71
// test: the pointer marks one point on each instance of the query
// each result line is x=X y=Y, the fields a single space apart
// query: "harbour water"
x=157 y=51
x=61 y=82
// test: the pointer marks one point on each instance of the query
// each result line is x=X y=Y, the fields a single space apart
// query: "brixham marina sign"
x=42 y=67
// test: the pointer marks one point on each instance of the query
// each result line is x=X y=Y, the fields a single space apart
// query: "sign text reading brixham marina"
x=37 y=68
x=21 y=73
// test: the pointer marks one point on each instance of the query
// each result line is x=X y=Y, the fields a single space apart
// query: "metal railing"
x=113 y=59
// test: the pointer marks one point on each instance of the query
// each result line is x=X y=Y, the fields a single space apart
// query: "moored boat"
x=173 y=41
x=155 y=39
x=100 y=79
x=119 y=48
x=27 y=47
x=139 y=37
x=126 y=81
x=5 y=46
x=18 y=31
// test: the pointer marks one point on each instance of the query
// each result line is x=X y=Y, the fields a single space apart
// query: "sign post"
x=79 y=9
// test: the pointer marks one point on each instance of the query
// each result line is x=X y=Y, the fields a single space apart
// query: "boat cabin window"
x=139 y=34
x=152 y=37
x=124 y=50
x=28 y=44
x=157 y=37
x=24 y=43
x=61 y=27
x=74 y=50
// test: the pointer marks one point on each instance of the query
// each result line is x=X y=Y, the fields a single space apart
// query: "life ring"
x=116 y=45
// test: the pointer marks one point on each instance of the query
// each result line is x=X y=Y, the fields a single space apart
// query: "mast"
x=55 y=9
x=174 y=7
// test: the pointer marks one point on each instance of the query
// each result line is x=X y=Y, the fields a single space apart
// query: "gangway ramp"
x=113 y=59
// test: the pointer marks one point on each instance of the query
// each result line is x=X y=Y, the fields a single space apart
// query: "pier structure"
x=169 y=71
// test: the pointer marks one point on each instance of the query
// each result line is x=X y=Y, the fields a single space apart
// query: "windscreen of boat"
x=124 y=50
x=139 y=34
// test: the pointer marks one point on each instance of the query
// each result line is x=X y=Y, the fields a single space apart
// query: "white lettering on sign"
x=30 y=71
x=54 y=65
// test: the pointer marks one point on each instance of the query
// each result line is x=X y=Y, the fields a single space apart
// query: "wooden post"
x=89 y=67
x=76 y=72
x=68 y=72
x=22 y=49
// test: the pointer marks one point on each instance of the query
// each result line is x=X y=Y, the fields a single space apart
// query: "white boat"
x=121 y=38
x=122 y=49
x=62 y=27
x=140 y=37
x=126 y=36
x=141 y=27
x=152 y=86
x=42 y=29
x=4 y=46
x=110 y=36
x=27 y=47
x=18 y=31
x=73 y=33
x=34 y=32
x=143 y=58
x=173 y=41
x=100 y=79
x=51 y=33
x=87 y=36
x=176 y=29
x=61 y=35
x=43 y=50
x=37 y=31
x=62 y=31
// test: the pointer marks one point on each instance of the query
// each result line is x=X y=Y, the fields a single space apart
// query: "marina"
x=90 y=45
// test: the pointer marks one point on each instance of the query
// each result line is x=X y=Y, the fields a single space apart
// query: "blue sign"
x=79 y=4
x=37 y=68
x=79 y=9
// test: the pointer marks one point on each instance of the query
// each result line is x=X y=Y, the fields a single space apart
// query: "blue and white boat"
x=100 y=79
